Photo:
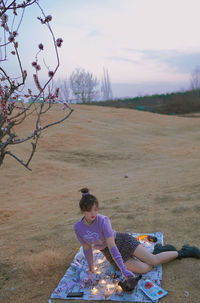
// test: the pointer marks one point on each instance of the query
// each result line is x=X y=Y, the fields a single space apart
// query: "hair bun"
x=84 y=190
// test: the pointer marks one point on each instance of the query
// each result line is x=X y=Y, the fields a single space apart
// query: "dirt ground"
x=143 y=167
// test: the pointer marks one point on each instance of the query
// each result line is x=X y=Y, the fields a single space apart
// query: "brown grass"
x=46 y=263
x=5 y=214
x=97 y=147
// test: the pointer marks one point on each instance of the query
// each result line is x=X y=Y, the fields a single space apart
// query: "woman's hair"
x=87 y=201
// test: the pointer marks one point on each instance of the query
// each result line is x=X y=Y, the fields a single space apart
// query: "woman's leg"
x=137 y=266
x=145 y=256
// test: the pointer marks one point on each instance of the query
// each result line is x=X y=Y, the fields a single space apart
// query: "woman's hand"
x=129 y=274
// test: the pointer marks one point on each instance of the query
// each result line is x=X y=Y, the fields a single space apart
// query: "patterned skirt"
x=126 y=245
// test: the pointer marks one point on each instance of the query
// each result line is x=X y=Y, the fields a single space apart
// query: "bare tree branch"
x=59 y=121
x=12 y=111
x=19 y=160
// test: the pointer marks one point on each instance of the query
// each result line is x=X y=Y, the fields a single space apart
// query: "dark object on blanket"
x=130 y=283
x=78 y=294
x=152 y=238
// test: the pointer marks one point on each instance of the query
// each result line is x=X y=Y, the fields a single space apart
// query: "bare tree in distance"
x=64 y=90
x=84 y=86
x=12 y=111
x=106 y=89
x=195 y=81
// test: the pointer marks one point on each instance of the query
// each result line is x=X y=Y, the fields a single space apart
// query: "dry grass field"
x=143 y=167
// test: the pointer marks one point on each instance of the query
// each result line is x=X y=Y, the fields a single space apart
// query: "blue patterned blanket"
x=106 y=278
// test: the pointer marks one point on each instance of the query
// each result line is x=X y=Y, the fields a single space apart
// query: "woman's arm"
x=117 y=257
x=110 y=242
x=87 y=249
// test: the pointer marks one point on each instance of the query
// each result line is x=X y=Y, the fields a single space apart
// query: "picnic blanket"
x=106 y=278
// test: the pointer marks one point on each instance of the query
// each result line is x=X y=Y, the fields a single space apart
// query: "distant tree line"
x=178 y=103
x=170 y=104
x=83 y=87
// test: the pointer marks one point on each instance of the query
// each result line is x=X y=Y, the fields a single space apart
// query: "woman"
x=94 y=231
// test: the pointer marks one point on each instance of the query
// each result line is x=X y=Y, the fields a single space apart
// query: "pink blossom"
x=57 y=92
x=51 y=73
x=48 y=18
x=59 y=42
x=35 y=77
x=11 y=38
x=41 y=46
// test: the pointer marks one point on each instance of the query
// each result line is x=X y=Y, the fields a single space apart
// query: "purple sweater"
x=95 y=234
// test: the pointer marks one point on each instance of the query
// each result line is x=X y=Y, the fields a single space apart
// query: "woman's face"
x=90 y=216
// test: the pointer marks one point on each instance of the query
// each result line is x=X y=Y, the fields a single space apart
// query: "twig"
x=57 y=122
x=19 y=160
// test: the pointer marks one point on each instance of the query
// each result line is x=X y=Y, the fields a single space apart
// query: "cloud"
x=183 y=62
x=121 y=59
x=147 y=88
x=94 y=33
x=177 y=60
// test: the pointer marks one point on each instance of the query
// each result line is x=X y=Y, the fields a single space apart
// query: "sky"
x=147 y=46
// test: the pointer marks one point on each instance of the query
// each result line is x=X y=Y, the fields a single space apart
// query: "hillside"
x=144 y=169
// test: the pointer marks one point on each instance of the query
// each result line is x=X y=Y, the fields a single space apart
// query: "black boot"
x=188 y=251
x=159 y=248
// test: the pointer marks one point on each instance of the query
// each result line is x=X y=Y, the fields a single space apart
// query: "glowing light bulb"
x=99 y=261
x=109 y=289
x=119 y=288
x=110 y=286
x=94 y=290
x=102 y=282
x=98 y=272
